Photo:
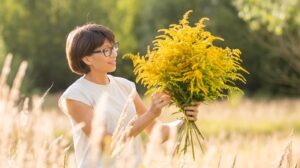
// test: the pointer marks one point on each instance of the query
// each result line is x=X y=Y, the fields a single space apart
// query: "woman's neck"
x=99 y=78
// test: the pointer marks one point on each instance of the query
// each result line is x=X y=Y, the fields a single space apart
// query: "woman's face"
x=104 y=58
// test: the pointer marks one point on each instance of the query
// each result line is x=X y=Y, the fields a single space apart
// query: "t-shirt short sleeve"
x=73 y=93
x=128 y=85
x=132 y=86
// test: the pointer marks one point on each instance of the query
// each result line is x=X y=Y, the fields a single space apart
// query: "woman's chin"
x=112 y=69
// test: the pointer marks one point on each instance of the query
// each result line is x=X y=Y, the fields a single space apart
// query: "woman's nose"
x=114 y=53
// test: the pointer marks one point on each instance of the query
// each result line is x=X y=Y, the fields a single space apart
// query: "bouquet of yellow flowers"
x=186 y=64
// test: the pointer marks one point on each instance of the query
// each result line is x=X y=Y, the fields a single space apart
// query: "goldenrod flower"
x=186 y=64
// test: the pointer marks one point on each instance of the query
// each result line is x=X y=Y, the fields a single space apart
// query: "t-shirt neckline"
x=96 y=84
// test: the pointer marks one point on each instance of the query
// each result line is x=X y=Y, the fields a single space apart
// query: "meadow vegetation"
x=241 y=132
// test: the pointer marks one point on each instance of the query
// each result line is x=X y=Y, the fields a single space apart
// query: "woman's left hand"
x=192 y=110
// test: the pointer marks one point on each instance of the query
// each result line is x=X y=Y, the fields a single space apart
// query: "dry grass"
x=31 y=137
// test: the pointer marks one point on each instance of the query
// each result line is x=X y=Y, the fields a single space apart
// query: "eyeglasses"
x=108 y=51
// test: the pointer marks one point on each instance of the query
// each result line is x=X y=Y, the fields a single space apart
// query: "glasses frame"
x=114 y=47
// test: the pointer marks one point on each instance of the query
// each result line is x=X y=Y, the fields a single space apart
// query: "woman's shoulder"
x=76 y=86
x=123 y=82
x=75 y=91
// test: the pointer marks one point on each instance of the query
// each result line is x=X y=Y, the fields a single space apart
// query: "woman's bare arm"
x=80 y=112
x=141 y=109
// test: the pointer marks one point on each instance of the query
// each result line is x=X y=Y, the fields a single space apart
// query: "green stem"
x=186 y=138
x=180 y=136
x=192 y=143
x=197 y=129
x=198 y=139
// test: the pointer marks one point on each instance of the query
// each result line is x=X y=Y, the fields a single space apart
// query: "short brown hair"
x=82 y=41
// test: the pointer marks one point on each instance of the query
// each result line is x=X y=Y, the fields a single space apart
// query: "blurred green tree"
x=36 y=31
x=276 y=26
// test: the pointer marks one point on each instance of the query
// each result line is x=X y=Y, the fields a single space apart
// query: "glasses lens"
x=107 y=52
x=116 y=46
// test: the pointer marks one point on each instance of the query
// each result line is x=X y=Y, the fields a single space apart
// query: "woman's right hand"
x=159 y=100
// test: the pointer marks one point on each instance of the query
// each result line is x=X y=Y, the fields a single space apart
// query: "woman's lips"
x=112 y=62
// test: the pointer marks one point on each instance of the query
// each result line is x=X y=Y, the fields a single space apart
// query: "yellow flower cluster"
x=185 y=63
x=189 y=67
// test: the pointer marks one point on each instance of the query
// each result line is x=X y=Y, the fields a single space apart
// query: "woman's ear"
x=87 y=60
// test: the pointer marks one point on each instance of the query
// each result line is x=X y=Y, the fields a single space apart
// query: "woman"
x=91 y=52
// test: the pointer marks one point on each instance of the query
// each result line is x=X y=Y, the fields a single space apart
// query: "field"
x=241 y=132
x=247 y=134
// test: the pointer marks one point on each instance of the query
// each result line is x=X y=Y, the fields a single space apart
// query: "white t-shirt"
x=116 y=93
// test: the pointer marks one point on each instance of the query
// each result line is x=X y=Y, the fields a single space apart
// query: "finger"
x=165 y=96
x=165 y=93
x=160 y=94
x=164 y=103
x=195 y=103
x=190 y=113
x=156 y=94
x=157 y=98
x=191 y=108
x=158 y=101
x=165 y=100
x=191 y=118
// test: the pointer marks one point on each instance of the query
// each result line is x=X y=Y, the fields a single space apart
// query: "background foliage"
x=267 y=33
